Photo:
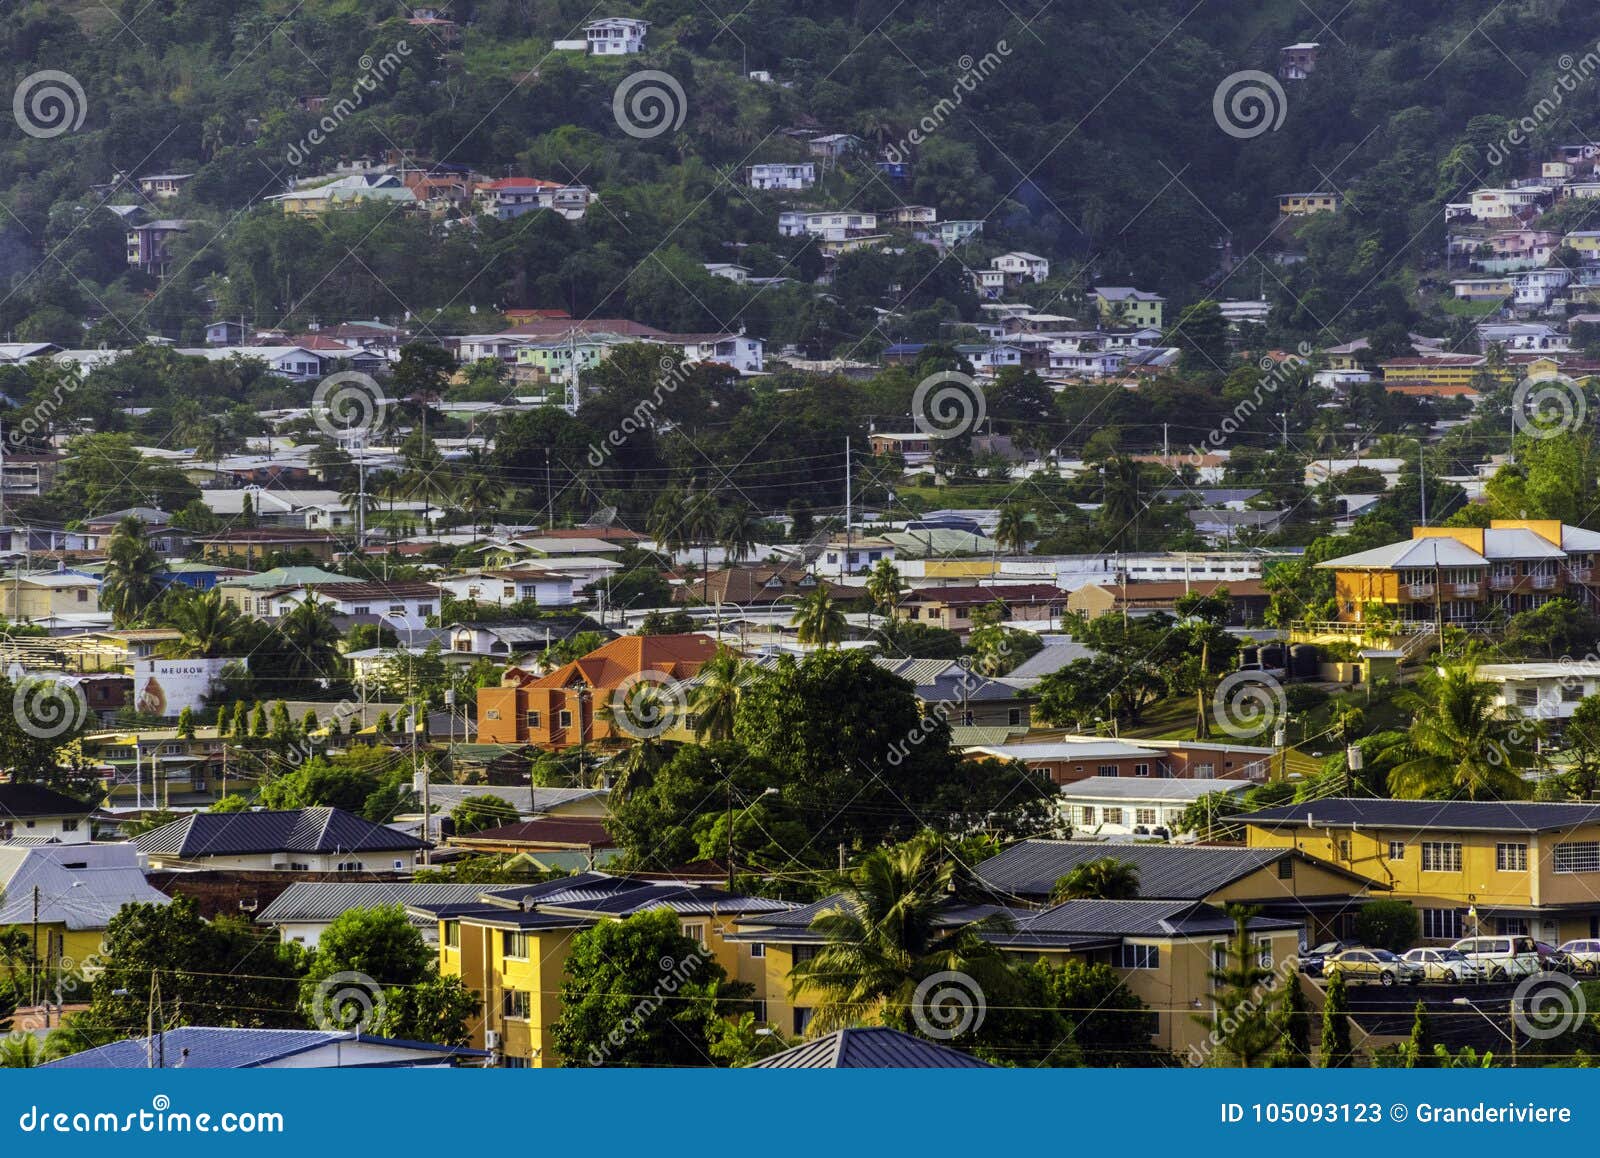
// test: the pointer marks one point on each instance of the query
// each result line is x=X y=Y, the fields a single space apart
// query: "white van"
x=1502 y=958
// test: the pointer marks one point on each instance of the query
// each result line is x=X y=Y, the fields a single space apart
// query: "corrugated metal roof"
x=1167 y=872
x=85 y=897
x=204 y=1047
x=325 y=900
x=1419 y=815
x=873 y=1047
x=310 y=830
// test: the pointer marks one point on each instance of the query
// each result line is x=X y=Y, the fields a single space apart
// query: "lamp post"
x=1511 y=1037
x=746 y=808
x=411 y=722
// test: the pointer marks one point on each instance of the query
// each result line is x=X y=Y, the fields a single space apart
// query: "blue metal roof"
x=216 y=1048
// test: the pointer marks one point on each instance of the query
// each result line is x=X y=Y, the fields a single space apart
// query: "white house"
x=782 y=176
x=957 y=231
x=1542 y=691
x=744 y=353
x=404 y=606
x=293 y=362
x=501 y=587
x=1022 y=267
x=830 y=225
x=860 y=554
x=291 y=840
x=727 y=270
x=615 y=35
x=1129 y=805
x=1494 y=204
x=1086 y=363
x=34 y=814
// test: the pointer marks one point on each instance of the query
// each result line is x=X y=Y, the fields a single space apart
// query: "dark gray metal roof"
x=1166 y=871
x=309 y=830
x=1456 y=815
x=19 y=801
x=870 y=1048
x=311 y=901
x=1130 y=919
x=203 y=1047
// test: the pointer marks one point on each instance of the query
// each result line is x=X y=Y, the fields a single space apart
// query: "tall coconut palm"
x=133 y=572
x=1123 y=500
x=311 y=641
x=211 y=626
x=667 y=521
x=718 y=687
x=738 y=532
x=702 y=523
x=477 y=493
x=1011 y=532
x=819 y=620
x=1103 y=879
x=885 y=587
x=884 y=937
x=1461 y=743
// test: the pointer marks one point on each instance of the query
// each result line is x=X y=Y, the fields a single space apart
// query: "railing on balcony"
x=1467 y=590
x=1579 y=574
x=1542 y=582
x=1502 y=582
x=1422 y=591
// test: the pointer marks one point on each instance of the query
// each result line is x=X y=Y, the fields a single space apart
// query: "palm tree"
x=738 y=532
x=1105 y=879
x=667 y=522
x=479 y=492
x=1123 y=503
x=718 y=687
x=885 y=587
x=133 y=569
x=702 y=523
x=211 y=626
x=1461 y=742
x=312 y=641
x=1012 y=530
x=820 y=622
x=884 y=936
x=636 y=768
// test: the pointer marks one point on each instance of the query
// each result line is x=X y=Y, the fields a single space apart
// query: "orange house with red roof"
x=567 y=707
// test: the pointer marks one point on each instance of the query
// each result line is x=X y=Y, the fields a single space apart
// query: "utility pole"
x=33 y=959
x=730 y=836
x=848 y=501
x=1422 y=479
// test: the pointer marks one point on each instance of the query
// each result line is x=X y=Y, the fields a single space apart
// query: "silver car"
x=1448 y=965
x=1378 y=965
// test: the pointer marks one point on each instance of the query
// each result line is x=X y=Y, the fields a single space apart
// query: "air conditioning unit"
x=491 y=1039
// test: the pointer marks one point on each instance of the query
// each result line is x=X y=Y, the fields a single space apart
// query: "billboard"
x=164 y=687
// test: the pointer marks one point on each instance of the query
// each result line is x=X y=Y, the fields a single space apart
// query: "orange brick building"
x=566 y=708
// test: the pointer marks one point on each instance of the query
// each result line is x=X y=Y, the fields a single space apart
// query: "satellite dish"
x=604 y=517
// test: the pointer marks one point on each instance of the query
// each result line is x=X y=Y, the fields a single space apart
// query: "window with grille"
x=1441 y=924
x=1397 y=850
x=1511 y=858
x=1439 y=856
x=1144 y=816
x=1138 y=956
x=514 y=1003
x=1578 y=856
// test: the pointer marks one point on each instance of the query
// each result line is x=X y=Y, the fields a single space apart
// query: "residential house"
x=615 y=36
x=195 y=1047
x=914 y=216
x=345 y=193
x=1542 y=691
x=953 y=233
x=31 y=596
x=760 y=585
x=965 y=698
x=500 y=587
x=872 y=1047
x=296 y=363
x=1517 y=868
x=829 y=225
x=1467 y=574
x=567 y=707
x=34 y=814
x=834 y=147
x=78 y=887
x=728 y=271
x=303 y=911
x=290 y=840
x=512 y=951
x=951 y=607
x=1121 y=806
x=1247 y=598
x=1308 y=204
x=776 y=175
x=852 y=555
x=405 y=606
x=507 y=638
x=164 y=186
x=1072 y=759
x=1522 y=202
x=256 y=544
x=510 y=197
x=914 y=447
x=1126 y=306
x=1298 y=61
x=150 y=245
x=1021 y=268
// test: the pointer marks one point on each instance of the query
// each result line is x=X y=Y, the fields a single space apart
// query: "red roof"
x=1017 y=593
x=520 y=183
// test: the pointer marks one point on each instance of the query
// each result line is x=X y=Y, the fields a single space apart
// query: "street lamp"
x=1511 y=1037
x=411 y=722
x=746 y=808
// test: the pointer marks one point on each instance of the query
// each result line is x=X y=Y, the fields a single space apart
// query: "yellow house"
x=46 y=593
x=78 y=889
x=1514 y=868
x=512 y=951
x=1306 y=204
x=1162 y=950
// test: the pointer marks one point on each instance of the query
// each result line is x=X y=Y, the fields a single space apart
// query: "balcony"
x=1502 y=582
x=1579 y=574
x=1421 y=590
x=1466 y=590
x=1542 y=582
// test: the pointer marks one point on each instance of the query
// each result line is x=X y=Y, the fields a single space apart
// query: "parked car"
x=1311 y=961
x=1580 y=957
x=1502 y=958
x=1378 y=965
x=1549 y=955
x=1447 y=965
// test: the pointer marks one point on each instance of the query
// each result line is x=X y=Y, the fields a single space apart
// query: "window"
x=1086 y=814
x=696 y=932
x=452 y=934
x=1441 y=924
x=1397 y=850
x=514 y=1004
x=424 y=610
x=349 y=866
x=1141 y=769
x=1113 y=815
x=802 y=1018
x=1138 y=956
x=566 y=719
x=1105 y=770
x=360 y=610
x=1286 y=869
x=758 y=949
x=1571 y=693
x=515 y=1063
x=70 y=825
x=804 y=953
x=397 y=609
x=1511 y=926
x=1579 y=856
x=533 y=719
x=1511 y=858
x=1204 y=771
x=1014 y=717
x=514 y=945
x=1439 y=856
x=1527 y=697
x=1144 y=816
